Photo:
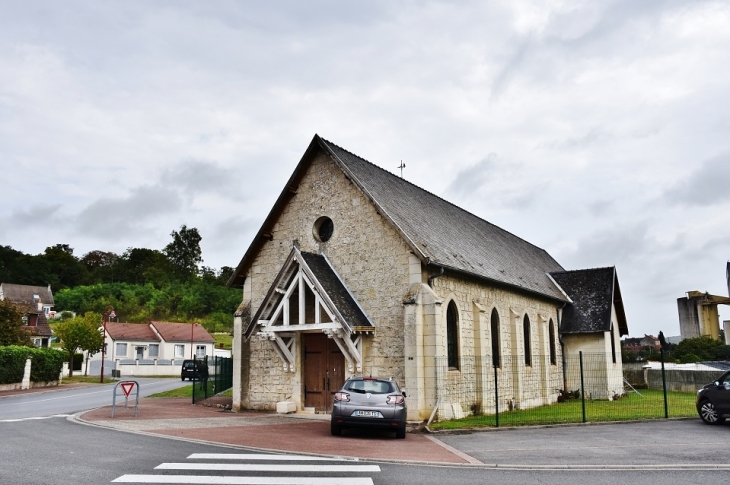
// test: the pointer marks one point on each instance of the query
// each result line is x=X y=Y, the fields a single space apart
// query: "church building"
x=358 y=271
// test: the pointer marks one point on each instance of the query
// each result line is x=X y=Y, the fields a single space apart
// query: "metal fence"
x=213 y=381
x=577 y=388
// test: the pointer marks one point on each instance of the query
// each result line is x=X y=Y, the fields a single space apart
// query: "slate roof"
x=131 y=331
x=592 y=292
x=337 y=291
x=25 y=293
x=438 y=232
x=329 y=284
x=181 y=332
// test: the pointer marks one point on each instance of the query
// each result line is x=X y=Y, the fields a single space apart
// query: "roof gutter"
x=435 y=275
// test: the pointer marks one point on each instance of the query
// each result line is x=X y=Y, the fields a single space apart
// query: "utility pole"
x=401 y=167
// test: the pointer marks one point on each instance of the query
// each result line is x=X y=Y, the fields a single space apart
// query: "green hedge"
x=12 y=363
x=46 y=365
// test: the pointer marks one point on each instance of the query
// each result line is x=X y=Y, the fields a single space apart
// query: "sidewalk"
x=294 y=433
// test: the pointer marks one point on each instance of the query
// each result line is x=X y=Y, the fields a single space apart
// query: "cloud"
x=199 y=176
x=107 y=218
x=473 y=179
x=609 y=247
x=707 y=185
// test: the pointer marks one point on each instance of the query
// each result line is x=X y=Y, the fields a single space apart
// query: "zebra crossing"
x=257 y=469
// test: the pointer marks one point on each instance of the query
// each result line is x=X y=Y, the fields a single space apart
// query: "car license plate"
x=368 y=414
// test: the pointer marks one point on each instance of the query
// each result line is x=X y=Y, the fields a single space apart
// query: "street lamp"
x=108 y=313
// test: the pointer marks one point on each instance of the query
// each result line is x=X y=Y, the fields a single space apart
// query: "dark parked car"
x=713 y=400
x=369 y=402
x=194 y=369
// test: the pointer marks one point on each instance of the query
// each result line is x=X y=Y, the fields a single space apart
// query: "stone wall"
x=366 y=252
x=517 y=380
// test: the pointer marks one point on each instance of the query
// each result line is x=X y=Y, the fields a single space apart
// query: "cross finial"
x=401 y=167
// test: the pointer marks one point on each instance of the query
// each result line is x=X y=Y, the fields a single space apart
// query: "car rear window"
x=373 y=387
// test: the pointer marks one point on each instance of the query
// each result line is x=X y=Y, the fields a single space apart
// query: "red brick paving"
x=300 y=435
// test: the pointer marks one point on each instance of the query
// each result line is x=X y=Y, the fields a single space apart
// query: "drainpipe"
x=434 y=276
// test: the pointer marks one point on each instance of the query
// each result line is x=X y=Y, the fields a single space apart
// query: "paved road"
x=57 y=451
x=69 y=401
x=637 y=444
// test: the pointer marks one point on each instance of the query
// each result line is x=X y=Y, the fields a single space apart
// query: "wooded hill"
x=141 y=284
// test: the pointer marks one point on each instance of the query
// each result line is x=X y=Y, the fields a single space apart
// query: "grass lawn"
x=223 y=340
x=88 y=379
x=631 y=407
x=185 y=391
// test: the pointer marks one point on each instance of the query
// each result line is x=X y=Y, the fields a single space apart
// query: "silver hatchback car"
x=369 y=402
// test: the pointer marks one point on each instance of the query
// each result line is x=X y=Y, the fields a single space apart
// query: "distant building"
x=36 y=302
x=641 y=343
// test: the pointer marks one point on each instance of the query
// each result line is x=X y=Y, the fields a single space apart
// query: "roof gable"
x=182 y=332
x=326 y=282
x=131 y=331
x=27 y=294
x=438 y=232
x=593 y=293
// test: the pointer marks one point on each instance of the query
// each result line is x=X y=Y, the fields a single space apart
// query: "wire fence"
x=578 y=388
x=213 y=381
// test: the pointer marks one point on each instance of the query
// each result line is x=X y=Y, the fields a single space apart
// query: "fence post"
x=496 y=399
x=582 y=387
x=664 y=385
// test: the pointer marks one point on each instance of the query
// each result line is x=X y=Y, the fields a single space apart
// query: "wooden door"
x=324 y=371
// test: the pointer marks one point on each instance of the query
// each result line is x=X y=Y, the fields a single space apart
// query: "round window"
x=323 y=229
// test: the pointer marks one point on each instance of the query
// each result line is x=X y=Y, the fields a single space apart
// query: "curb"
x=472 y=462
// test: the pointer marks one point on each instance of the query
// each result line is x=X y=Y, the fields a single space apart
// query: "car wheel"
x=335 y=430
x=182 y=379
x=400 y=433
x=708 y=413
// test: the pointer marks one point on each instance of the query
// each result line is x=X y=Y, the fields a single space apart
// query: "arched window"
x=496 y=347
x=528 y=337
x=551 y=335
x=613 y=345
x=452 y=335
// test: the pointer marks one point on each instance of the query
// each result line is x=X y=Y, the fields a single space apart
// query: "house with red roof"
x=154 y=348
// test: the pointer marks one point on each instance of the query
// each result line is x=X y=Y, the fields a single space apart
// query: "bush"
x=12 y=363
x=45 y=366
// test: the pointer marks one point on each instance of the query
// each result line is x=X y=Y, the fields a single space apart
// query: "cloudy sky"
x=599 y=131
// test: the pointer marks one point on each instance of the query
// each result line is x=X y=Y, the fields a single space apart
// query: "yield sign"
x=127 y=387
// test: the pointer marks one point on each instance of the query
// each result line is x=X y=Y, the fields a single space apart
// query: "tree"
x=80 y=334
x=184 y=252
x=12 y=331
x=100 y=265
x=63 y=264
x=142 y=265
x=702 y=348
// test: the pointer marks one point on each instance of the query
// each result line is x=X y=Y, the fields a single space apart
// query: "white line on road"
x=36 y=417
x=213 y=480
x=262 y=457
x=267 y=468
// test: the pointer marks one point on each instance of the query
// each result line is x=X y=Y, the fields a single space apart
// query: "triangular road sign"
x=127 y=387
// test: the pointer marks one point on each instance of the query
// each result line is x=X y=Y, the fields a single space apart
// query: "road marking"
x=267 y=468
x=35 y=417
x=262 y=457
x=213 y=480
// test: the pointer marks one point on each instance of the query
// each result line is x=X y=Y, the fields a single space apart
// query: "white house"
x=156 y=348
